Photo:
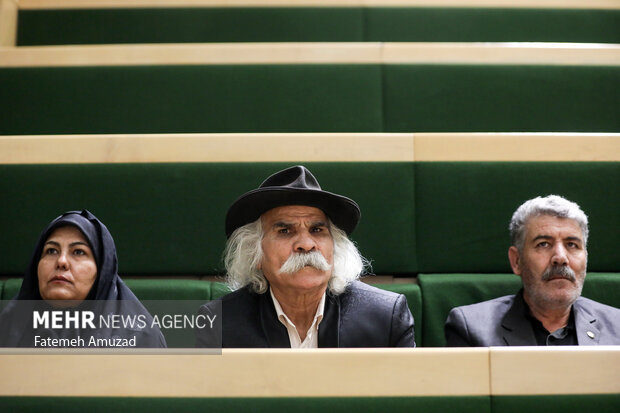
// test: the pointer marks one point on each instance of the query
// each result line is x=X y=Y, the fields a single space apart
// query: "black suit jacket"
x=502 y=322
x=362 y=316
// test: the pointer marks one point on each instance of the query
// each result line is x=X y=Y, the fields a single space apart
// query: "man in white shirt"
x=294 y=274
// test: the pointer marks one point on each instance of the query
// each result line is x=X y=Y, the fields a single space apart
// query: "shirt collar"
x=318 y=316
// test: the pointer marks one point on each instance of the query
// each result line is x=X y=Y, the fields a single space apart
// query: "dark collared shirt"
x=565 y=336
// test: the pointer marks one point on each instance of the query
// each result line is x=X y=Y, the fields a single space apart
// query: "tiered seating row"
x=439 y=204
x=429 y=300
x=284 y=88
x=428 y=215
x=99 y=22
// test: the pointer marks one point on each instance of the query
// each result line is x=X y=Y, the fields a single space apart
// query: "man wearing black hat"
x=294 y=274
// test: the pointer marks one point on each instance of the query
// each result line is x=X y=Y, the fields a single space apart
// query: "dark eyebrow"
x=73 y=244
x=319 y=224
x=281 y=224
x=549 y=237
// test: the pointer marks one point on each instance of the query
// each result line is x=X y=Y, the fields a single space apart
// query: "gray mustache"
x=563 y=271
x=297 y=261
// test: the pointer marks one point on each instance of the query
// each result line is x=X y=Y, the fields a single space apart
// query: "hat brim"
x=342 y=211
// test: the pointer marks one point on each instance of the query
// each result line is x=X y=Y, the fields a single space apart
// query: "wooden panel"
x=187 y=54
x=8 y=22
x=494 y=147
x=302 y=147
x=301 y=373
x=557 y=370
x=502 y=53
x=250 y=373
x=309 y=147
x=580 y=54
x=579 y=4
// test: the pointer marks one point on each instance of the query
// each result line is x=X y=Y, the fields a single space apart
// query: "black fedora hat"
x=292 y=186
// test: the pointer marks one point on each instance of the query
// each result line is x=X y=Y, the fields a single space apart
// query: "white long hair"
x=244 y=253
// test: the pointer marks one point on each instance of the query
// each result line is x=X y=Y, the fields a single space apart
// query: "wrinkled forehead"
x=552 y=226
x=293 y=214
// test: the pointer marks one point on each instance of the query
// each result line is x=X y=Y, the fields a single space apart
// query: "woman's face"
x=67 y=268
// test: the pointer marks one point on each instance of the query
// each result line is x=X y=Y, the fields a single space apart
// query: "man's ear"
x=515 y=260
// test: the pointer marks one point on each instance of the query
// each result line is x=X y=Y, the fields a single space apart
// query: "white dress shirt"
x=312 y=336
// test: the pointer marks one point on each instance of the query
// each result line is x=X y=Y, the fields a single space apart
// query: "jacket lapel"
x=329 y=329
x=274 y=331
x=586 y=325
x=517 y=329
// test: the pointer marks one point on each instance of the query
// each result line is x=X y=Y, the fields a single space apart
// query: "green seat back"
x=442 y=292
x=11 y=288
x=168 y=219
x=603 y=287
x=464 y=404
x=170 y=289
x=463 y=210
x=316 y=24
x=309 y=98
x=501 y=98
x=191 y=99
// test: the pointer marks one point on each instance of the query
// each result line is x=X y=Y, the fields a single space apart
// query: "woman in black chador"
x=74 y=272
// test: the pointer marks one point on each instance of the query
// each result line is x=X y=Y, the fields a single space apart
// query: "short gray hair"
x=552 y=205
x=244 y=253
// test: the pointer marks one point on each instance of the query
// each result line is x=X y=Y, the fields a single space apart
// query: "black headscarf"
x=108 y=291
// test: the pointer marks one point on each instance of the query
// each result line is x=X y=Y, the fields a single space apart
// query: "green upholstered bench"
x=10 y=288
x=161 y=297
x=433 y=217
x=170 y=289
x=501 y=98
x=316 y=24
x=309 y=98
x=180 y=289
x=486 y=24
x=155 y=292
x=605 y=403
x=463 y=210
x=603 y=287
x=168 y=219
x=218 y=289
x=191 y=98
x=429 y=302
x=465 y=404
x=442 y=292
x=193 y=25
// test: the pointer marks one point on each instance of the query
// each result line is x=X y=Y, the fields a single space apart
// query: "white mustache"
x=298 y=260
x=559 y=270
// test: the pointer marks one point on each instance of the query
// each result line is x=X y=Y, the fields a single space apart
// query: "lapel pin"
x=590 y=334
